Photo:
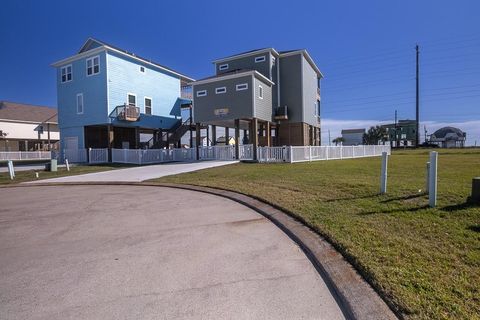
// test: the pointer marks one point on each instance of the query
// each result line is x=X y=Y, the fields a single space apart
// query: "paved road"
x=129 y=252
x=137 y=174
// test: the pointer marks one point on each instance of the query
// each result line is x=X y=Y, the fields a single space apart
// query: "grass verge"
x=424 y=261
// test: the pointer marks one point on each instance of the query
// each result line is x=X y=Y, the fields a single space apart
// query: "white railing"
x=75 y=155
x=315 y=153
x=274 y=154
x=149 y=156
x=97 y=155
x=245 y=152
x=25 y=155
x=217 y=153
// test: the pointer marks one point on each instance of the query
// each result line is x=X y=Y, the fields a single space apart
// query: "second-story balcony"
x=126 y=113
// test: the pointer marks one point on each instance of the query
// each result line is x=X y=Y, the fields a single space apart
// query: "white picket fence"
x=149 y=156
x=98 y=155
x=25 y=155
x=75 y=155
x=315 y=153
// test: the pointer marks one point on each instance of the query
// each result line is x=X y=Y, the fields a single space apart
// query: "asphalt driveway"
x=138 y=252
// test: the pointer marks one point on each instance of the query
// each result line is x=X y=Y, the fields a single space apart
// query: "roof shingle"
x=27 y=112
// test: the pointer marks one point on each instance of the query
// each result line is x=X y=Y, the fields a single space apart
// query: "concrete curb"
x=356 y=298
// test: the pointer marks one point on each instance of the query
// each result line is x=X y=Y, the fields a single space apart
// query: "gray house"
x=274 y=96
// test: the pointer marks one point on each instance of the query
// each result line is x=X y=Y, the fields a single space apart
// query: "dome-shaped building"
x=449 y=137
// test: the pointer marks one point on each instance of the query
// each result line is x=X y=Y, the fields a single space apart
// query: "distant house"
x=449 y=137
x=25 y=127
x=204 y=141
x=401 y=134
x=353 y=137
x=221 y=140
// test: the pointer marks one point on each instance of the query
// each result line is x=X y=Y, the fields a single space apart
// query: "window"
x=201 y=93
x=220 y=90
x=142 y=69
x=223 y=66
x=66 y=73
x=132 y=99
x=259 y=59
x=80 y=103
x=260 y=92
x=242 y=86
x=93 y=66
x=148 y=105
x=273 y=60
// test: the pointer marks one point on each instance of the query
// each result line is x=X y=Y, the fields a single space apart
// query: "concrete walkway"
x=138 y=174
x=138 y=252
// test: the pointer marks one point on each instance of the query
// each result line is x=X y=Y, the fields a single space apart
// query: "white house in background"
x=25 y=127
x=449 y=137
x=353 y=137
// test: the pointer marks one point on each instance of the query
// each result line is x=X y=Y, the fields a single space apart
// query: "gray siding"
x=239 y=103
x=248 y=63
x=263 y=107
x=291 y=93
x=310 y=85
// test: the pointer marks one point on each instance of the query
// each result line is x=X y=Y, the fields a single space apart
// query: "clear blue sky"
x=364 y=48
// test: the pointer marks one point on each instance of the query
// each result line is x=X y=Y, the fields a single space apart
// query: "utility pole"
x=425 y=129
x=329 y=140
x=417 y=100
x=396 y=130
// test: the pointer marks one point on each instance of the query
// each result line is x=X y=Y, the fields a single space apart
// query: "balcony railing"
x=126 y=113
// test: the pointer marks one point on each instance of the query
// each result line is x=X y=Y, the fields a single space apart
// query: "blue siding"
x=94 y=95
x=124 y=77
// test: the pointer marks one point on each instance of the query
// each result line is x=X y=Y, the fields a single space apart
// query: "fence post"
x=89 y=160
x=427 y=184
x=383 y=178
x=67 y=164
x=310 y=153
x=432 y=187
x=341 y=152
x=11 y=170
x=290 y=154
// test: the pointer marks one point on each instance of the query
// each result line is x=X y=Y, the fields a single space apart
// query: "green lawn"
x=24 y=176
x=425 y=261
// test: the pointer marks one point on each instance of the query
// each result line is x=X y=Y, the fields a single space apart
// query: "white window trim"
x=83 y=103
x=241 y=86
x=260 y=92
x=93 y=66
x=201 y=93
x=145 y=105
x=260 y=59
x=132 y=94
x=220 y=90
x=61 y=71
x=223 y=67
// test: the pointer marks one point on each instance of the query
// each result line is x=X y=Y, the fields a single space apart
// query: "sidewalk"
x=138 y=174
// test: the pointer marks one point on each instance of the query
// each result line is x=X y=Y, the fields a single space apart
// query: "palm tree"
x=338 y=140
x=374 y=135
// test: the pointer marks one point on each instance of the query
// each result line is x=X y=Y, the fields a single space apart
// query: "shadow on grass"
x=460 y=206
x=474 y=228
x=412 y=196
x=352 y=198
x=366 y=213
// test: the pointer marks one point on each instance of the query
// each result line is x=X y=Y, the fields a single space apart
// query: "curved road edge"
x=355 y=296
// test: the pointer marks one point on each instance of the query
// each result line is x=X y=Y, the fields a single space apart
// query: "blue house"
x=111 y=98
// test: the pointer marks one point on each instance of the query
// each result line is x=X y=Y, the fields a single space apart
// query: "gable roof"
x=234 y=74
x=27 y=113
x=92 y=44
